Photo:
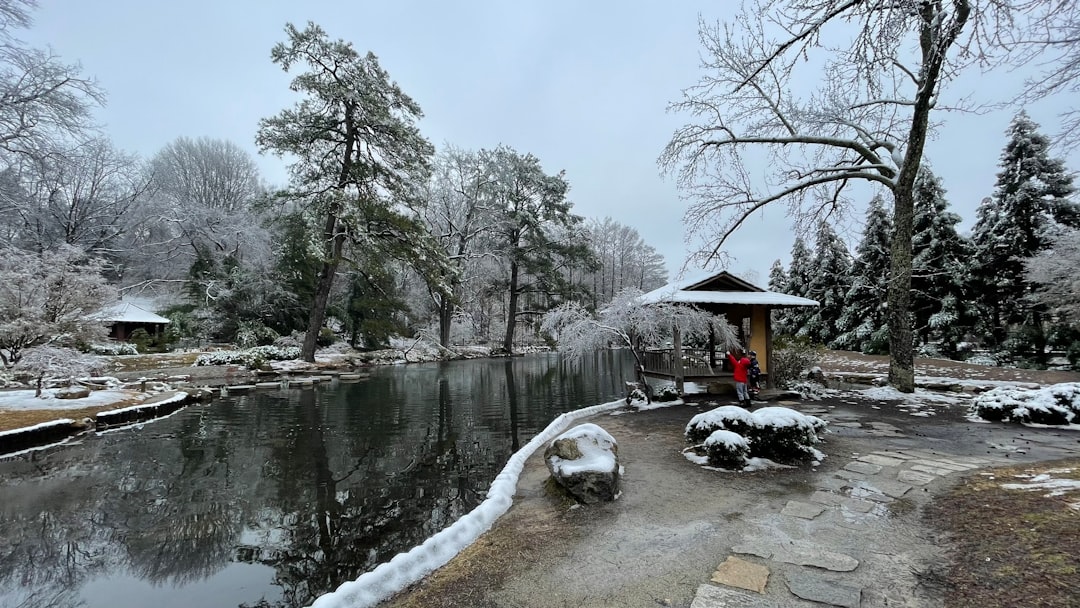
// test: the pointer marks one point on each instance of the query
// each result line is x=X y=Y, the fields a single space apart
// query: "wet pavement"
x=848 y=532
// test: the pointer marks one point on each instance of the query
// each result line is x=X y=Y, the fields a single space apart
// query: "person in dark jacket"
x=753 y=375
x=740 y=364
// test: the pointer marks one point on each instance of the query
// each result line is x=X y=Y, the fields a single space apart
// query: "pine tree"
x=863 y=324
x=778 y=281
x=798 y=284
x=1028 y=207
x=829 y=283
x=940 y=256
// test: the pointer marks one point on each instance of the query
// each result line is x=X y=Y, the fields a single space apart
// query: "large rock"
x=72 y=392
x=585 y=461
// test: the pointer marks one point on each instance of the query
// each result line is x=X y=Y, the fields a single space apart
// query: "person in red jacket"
x=740 y=364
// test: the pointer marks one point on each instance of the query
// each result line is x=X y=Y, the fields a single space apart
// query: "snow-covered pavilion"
x=744 y=305
x=125 y=317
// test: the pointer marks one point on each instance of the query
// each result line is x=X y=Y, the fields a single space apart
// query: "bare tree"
x=48 y=298
x=1049 y=37
x=1053 y=271
x=882 y=66
x=42 y=100
x=82 y=196
x=627 y=323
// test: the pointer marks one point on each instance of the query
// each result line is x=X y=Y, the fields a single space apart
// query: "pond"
x=271 y=499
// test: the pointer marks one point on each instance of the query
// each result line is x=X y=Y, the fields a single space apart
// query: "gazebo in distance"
x=744 y=305
x=124 y=317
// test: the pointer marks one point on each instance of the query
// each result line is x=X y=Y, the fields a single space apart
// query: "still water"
x=271 y=499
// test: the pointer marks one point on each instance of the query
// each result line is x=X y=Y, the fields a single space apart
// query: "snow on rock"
x=1058 y=404
x=409 y=567
x=585 y=461
x=62 y=422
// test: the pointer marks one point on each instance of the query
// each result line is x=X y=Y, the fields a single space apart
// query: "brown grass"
x=17 y=419
x=518 y=539
x=1011 y=547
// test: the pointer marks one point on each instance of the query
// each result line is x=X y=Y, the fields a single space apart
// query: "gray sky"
x=582 y=85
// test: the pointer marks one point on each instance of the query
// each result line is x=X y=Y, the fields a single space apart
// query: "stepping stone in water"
x=892 y=489
x=826 y=498
x=859 y=506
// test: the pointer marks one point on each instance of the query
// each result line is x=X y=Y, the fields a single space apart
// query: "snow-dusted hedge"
x=667 y=393
x=252 y=357
x=1057 y=404
x=726 y=417
x=114 y=348
x=727 y=450
x=776 y=433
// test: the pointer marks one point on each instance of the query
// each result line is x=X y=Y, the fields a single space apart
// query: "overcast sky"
x=582 y=85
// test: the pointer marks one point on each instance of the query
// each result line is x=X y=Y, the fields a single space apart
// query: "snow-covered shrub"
x=254 y=333
x=727 y=418
x=113 y=349
x=784 y=435
x=636 y=396
x=251 y=358
x=667 y=393
x=295 y=339
x=1056 y=404
x=791 y=356
x=983 y=359
x=275 y=353
x=930 y=350
x=776 y=433
x=727 y=450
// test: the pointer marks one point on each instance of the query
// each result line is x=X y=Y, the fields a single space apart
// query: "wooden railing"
x=695 y=363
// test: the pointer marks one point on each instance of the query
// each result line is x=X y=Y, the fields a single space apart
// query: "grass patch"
x=17 y=419
x=1012 y=547
x=520 y=538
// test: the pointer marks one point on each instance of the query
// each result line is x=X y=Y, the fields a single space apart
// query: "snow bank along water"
x=409 y=567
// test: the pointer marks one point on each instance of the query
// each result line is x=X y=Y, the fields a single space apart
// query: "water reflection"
x=272 y=499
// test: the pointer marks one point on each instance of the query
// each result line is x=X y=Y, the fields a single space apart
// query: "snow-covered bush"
x=1056 y=404
x=254 y=333
x=113 y=349
x=791 y=357
x=727 y=418
x=251 y=358
x=727 y=450
x=784 y=435
x=667 y=393
x=776 y=433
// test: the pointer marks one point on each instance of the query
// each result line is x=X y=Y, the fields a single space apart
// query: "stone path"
x=831 y=547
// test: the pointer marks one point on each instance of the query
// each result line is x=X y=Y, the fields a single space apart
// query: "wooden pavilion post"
x=677 y=364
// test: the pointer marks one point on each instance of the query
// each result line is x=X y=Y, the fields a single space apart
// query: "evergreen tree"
x=1028 y=207
x=940 y=257
x=798 y=284
x=357 y=158
x=829 y=283
x=778 y=280
x=375 y=309
x=863 y=324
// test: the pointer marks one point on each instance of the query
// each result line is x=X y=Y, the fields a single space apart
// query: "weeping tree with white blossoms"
x=629 y=323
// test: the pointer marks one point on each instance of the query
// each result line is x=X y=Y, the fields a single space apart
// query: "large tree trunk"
x=335 y=243
x=446 y=316
x=901 y=348
x=511 y=310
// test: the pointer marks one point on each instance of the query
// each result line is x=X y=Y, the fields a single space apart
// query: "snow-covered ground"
x=25 y=399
